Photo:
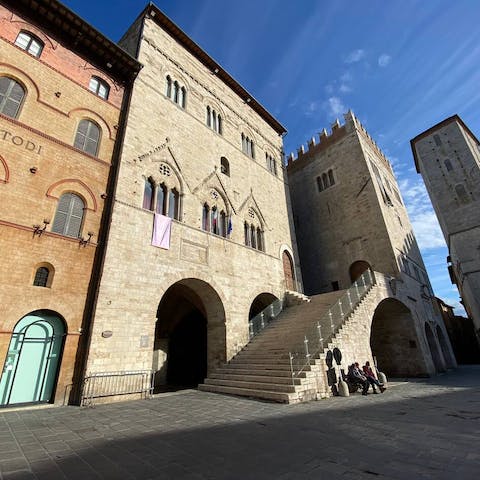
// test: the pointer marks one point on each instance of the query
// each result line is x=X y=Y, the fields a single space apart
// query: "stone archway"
x=190 y=336
x=447 y=355
x=288 y=271
x=394 y=341
x=434 y=351
x=357 y=268
x=260 y=302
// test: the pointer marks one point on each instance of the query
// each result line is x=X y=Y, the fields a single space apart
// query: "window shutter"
x=61 y=214
x=76 y=216
x=69 y=215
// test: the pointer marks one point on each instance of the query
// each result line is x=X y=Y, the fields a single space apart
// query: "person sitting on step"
x=372 y=380
x=355 y=376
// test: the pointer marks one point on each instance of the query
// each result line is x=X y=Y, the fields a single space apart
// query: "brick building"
x=62 y=87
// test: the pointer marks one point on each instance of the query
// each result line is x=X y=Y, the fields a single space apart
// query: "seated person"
x=372 y=380
x=356 y=376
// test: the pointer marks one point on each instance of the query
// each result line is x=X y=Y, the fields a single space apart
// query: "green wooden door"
x=33 y=359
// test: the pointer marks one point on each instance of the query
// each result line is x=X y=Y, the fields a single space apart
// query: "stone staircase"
x=263 y=369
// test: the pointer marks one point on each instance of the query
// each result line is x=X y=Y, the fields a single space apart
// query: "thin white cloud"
x=335 y=106
x=355 y=56
x=344 y=88
x=423 y=218
x=384 y=60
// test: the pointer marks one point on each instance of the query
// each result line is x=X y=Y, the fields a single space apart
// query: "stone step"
x=269 y=387
x=263 y=373
x=259 y=366
x=247 y=392
x=255 y=378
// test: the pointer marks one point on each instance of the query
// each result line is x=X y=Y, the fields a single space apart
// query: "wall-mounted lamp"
x=84 y=242
x=33 y=170
x=38 y=230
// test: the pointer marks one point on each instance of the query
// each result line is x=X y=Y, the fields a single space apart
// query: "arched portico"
x=394 y=341
x=447 y=354
x=261 y=301
x=434 y=351
x=190 y=336
x=357 y=268
x=31 y=367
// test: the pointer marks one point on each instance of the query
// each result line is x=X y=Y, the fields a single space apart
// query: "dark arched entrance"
x=450 y=362
x=260 y=303
x=33 y=359
x=432 y=344
x=288 y=271
x=394 y=340
x=189 y=335
x=357 y=268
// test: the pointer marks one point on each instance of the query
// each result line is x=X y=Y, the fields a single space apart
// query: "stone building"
x=349 y=217
x=461 y=332
x=201 y=174
x=448 y=158
x=62 y=86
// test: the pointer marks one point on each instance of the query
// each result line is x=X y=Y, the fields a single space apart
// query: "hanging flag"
x=214 y=220
x=161 y=233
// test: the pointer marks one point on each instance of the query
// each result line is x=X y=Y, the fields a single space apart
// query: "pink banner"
x=162 y=227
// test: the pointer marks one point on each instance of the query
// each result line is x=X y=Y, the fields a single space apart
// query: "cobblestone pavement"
x=422 y=429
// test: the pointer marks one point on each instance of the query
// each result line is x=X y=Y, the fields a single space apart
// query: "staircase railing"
x=317 y=338
x=262 y=319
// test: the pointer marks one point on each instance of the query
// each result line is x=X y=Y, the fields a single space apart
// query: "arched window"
x=224 y=166
x=87 y=137
x=99 y=87
x=69 y=215
x=161 y=205
x=214 y=220
x=260 y=245
x=319 y=184
x=176 y=91
x=206 y=218
x=11 y=97
x=325 y=181
x=183 y=99
x=246 y=231
x=331 y=177
x=30 y=43
x=209 y=117
x=252 y=149
x=219 y=125
x=41 y=277
x=448 y=165
x=173 y=204
x=148 y=194
x=244 y=144
x=253 y=239
x=222 y=230
x=214 y=120
x=168 y=93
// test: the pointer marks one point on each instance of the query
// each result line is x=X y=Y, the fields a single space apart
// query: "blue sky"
x=401 y=66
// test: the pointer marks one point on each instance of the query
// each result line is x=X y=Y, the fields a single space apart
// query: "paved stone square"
x=421 y=429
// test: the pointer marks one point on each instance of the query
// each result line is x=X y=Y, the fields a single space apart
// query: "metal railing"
x=262 y=319
x=109 y=384
x=317 y=338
